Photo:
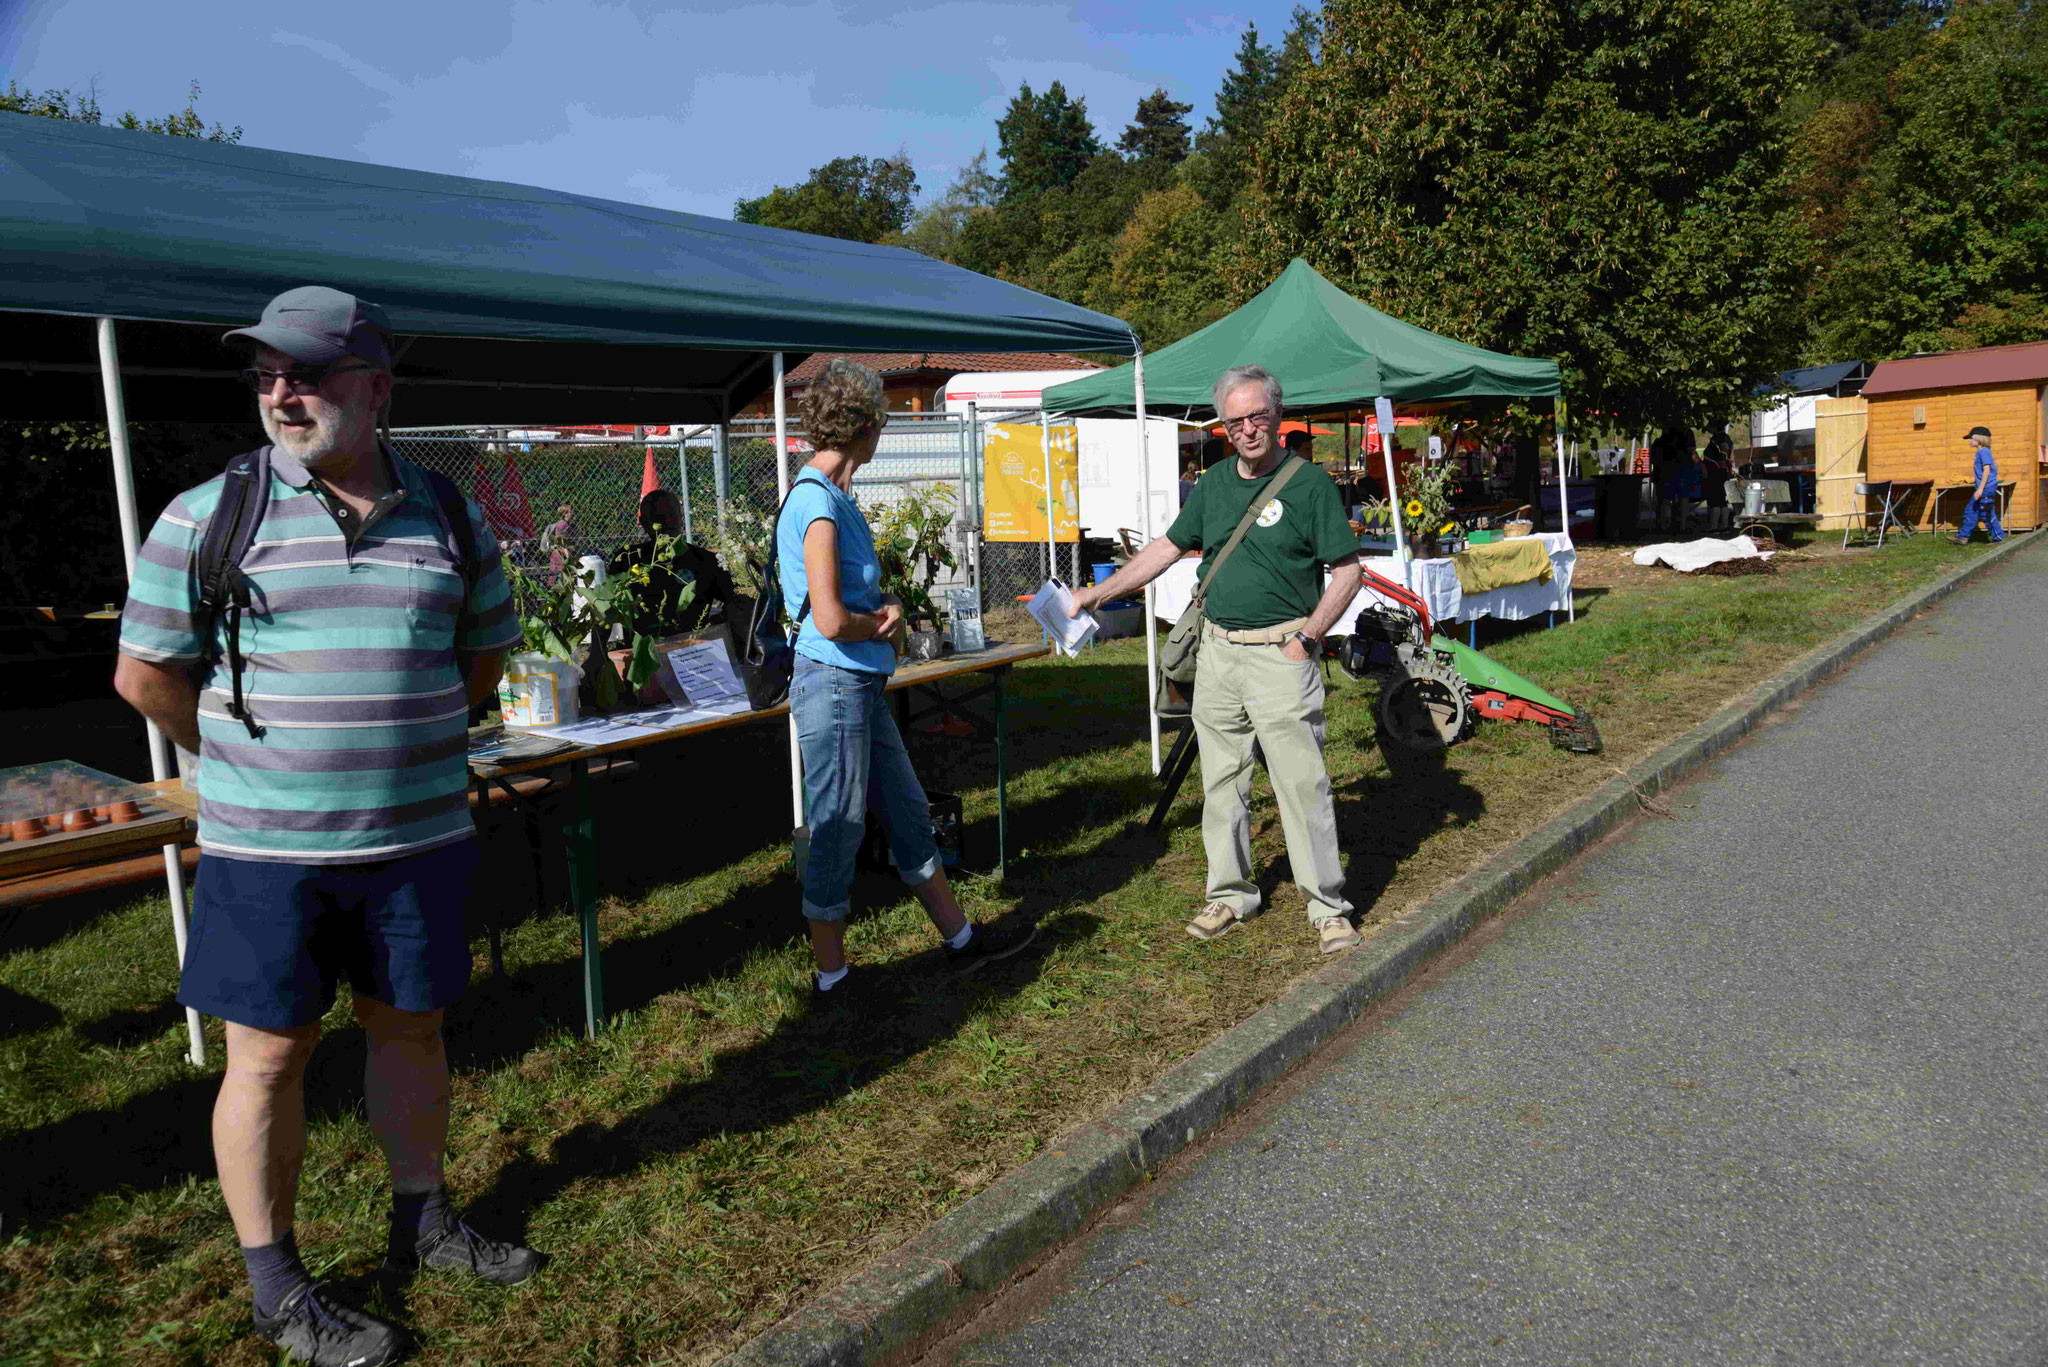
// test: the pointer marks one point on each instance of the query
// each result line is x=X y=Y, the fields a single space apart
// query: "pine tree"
x=1159 y=132
x=1243 y=104
x=1045 y=140
x=856 y=198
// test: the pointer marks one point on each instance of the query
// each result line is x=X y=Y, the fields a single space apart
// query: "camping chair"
x=1887 y=510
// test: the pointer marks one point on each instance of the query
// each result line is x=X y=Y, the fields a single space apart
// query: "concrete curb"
x=928 y=1284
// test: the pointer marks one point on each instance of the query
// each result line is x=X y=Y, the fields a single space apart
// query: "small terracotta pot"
x=103 y=813
x=124 y=811
x=28 y=828
x=80 y=820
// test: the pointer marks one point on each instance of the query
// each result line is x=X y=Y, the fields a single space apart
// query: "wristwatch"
x=1308 y=643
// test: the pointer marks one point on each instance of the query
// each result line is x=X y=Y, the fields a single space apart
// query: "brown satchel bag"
x=1178 y=652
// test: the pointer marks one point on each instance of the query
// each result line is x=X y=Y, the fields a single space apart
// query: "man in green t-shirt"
x=1257 y=680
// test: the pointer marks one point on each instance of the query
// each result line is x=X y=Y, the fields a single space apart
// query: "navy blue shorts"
x=269 y=942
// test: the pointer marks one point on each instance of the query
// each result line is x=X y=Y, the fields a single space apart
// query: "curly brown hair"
x=842 y=405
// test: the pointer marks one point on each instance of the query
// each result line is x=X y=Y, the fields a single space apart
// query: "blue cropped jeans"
x=854 y=758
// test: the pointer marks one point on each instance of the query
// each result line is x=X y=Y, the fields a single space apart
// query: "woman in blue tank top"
x=846 y=651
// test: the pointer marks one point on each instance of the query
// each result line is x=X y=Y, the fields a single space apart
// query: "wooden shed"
x=1921 y=406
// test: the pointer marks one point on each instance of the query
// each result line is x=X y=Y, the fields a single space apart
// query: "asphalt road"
x=1761 y=1082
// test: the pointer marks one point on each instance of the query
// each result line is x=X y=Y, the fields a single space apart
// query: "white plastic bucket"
x=538 y=691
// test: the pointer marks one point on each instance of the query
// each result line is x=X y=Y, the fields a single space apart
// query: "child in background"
x=1984 y=498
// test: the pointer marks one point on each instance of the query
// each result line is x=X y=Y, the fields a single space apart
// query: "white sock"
x=828 y=981
x=960 y=941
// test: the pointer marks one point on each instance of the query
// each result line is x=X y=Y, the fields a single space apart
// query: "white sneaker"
x=1335 y=933
x=1213 y=921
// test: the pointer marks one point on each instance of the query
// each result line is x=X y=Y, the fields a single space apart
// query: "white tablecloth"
x=1434 y=581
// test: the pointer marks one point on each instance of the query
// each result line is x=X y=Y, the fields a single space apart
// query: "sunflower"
x=1414 y=508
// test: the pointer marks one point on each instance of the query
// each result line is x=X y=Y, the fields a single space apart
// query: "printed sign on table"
x=1013 y=484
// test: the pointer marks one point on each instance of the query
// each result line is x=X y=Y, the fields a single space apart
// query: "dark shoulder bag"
x=1177 y=654
x=768 y=653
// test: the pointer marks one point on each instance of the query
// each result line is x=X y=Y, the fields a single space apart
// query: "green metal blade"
x=1483 y=673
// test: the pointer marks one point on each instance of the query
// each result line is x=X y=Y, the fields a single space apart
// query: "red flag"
x=504 y=504
x=1372 y=434
x=649 y=479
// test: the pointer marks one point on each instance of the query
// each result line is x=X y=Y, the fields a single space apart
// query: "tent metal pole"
x=1564 y=503
x=683 y=474
x=1052 y=564
x=1383 y=409
x=970 y=494
x=796 y=754
x=160 y=765
x=721 y=479
x=1145 y=521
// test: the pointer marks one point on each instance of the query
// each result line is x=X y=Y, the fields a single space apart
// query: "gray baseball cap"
x=319 y=326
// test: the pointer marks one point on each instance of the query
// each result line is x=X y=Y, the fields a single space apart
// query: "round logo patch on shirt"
x=1271 y=513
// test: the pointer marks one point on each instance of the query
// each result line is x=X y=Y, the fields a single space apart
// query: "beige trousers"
x=1246 y=693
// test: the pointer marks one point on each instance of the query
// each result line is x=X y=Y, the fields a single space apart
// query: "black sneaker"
x=842 y=996
x=991 y=943
x=314 y=1326
x=461 y=1248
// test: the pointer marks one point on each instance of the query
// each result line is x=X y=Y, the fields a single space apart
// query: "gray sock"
x=275 y=1272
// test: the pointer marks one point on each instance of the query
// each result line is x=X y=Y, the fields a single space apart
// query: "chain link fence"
x=580 y=492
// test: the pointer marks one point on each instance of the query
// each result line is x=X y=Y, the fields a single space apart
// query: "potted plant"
x=910 y=543
x=566 y=616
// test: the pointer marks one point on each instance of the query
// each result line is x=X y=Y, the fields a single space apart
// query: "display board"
x=1014 y=467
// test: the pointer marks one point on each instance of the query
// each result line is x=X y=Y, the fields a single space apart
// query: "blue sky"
x=672 y=104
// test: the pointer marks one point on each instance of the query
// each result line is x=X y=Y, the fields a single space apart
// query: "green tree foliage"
x=1602 y=181
x=1243 y=103
x=1046 y=142
x=936 y=229
x=1170 y=264
x=85 y=108
x=1159 y=131
x=861 y=199
x=1924 y=177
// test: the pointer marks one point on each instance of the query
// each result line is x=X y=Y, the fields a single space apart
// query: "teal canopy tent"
x=520 y=304
x=1329 y=350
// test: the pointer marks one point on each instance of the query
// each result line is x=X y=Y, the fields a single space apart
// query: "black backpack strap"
x=217 y=566
x=455 y=512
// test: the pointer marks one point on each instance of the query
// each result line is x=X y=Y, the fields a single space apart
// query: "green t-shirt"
x=1276 y=573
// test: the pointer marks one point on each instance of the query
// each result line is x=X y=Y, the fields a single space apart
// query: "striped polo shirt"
x=349 y=669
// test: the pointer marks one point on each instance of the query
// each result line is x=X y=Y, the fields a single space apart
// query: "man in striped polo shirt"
x=334 y=824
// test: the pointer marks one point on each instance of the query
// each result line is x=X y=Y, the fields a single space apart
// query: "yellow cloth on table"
x=1497 y=564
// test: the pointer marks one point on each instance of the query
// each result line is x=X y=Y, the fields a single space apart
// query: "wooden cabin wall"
x=1902 y=449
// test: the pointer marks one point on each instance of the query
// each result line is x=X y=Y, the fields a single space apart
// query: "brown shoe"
x=1215 y=920
x=1335 y=933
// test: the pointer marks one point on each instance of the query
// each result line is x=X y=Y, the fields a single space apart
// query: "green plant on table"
x=910 y=543
x=562 y=613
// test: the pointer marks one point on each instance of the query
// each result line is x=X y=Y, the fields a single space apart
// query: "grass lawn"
x=717 y=1157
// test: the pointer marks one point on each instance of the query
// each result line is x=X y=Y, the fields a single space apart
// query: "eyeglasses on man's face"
x=299 y=380
x=1265 y=417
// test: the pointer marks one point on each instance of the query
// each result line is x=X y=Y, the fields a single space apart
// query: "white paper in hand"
x=1051 y=606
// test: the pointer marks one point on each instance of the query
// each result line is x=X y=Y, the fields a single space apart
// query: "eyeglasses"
x=303 y=380
x=1265 y=417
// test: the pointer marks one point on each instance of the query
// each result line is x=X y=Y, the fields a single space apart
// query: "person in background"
x=672 y=569
x=846 y=650
x=1716 y=469
x=1684 y=490
x=554 y=540
x=1983 y=503
x=1257 y=680
x=1302 y=443
x=334 y=828
x=1189 y=473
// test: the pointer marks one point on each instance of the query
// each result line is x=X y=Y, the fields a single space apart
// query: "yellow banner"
x=1013 y=484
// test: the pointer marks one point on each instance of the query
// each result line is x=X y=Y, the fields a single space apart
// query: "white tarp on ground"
x=1687 y=556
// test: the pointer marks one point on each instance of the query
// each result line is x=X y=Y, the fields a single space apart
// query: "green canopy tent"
x=1329 y=350
x=512 y=304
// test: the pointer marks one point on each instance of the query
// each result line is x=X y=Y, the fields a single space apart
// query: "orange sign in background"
x=1013 y=491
